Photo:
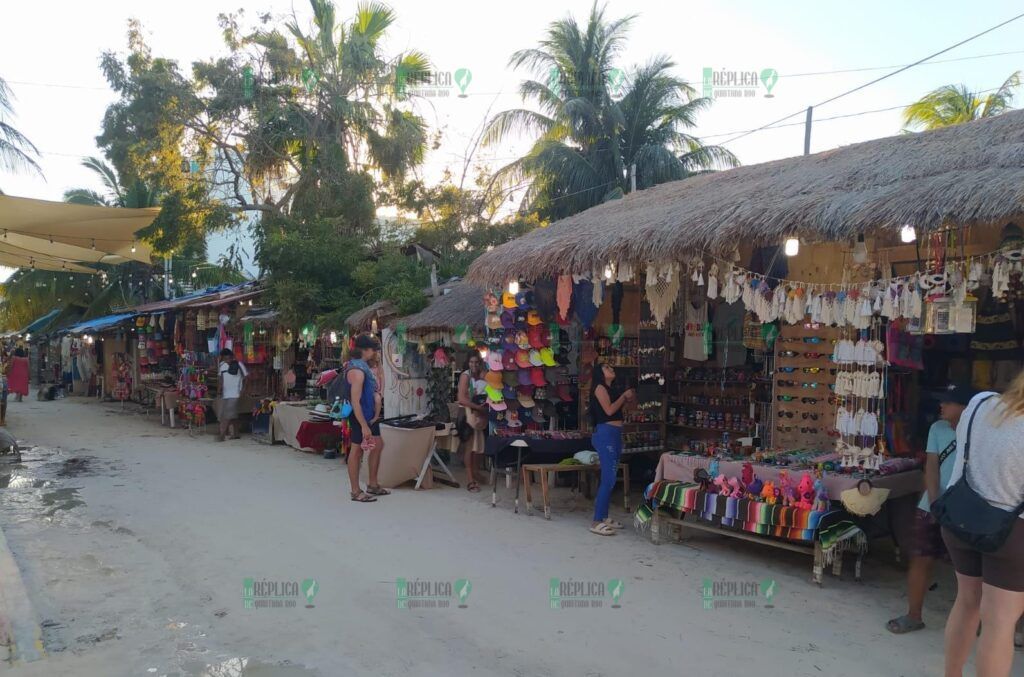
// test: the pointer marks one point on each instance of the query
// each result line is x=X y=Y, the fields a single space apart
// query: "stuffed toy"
x=788 y=495
x=747 y=474
x=754 y=488
x=722 y=485
x=768 y=492
x=701 y=477
x=821 y=501
x=736 y=489
x=713 y=468
x=805 y=492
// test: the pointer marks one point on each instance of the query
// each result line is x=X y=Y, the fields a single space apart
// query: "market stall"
x=797 y=343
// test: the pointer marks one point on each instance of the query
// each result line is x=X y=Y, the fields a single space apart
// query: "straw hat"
x=864 y=500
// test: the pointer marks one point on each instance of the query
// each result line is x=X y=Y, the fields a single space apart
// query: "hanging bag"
x=970 y=517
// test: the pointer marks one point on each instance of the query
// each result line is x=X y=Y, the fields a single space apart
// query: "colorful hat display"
x=525 y=397
x=491 y=302
x=508 y=359
x=494 y=321
x=562 y=391
x=533 y=318
x=523 y=376
x=509 y=393
x=493 y=379
x=494 y=362
x=523 y=359
x=537 y=377
x=535 y=358
x=509 y=378
x=547 y=357
x=508 y=300
x=523 y=340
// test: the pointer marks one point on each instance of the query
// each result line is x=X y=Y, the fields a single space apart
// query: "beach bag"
x=752 y=337
x=339 y=392
x=970 y=517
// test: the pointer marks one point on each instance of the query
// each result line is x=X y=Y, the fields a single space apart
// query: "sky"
x=49 y=54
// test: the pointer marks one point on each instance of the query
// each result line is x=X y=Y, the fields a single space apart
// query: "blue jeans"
x=607 y=441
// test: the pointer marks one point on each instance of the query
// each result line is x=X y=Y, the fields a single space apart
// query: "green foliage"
x=589 y=131
x=955 y=104
x=16 y=152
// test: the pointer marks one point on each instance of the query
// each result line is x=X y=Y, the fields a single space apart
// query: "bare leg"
x=222 y=428
x=1000 y=610
x=962 y=624
x=355 y=459
x=3 y=411
x=918 y=577
x=378 y=447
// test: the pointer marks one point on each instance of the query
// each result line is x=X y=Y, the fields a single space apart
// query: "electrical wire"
x=876 y=80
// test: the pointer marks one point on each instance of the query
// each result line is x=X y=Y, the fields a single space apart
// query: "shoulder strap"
x=970 y=425
x=947 y=452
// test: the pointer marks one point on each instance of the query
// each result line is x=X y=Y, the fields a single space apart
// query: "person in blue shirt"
x=938 y=467
x=365 y=419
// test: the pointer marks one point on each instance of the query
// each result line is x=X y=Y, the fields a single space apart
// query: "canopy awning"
x=211 y=296
x=39 y=323
x=49 y=234
x=100 y=323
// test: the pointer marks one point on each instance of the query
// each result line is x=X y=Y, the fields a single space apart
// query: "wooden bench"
x=544 y=468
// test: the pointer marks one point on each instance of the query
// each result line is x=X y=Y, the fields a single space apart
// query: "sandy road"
x=135 y=541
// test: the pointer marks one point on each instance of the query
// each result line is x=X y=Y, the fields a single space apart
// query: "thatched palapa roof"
x=380 y=311
x=463 y=304
x=965 y=175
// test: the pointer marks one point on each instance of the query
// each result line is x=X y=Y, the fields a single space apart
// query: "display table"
x=543 y=469
x=285 y=422
x=680 y=467
x=824 y=535
x=512 y=451
x=406 y=453
x=315 y=436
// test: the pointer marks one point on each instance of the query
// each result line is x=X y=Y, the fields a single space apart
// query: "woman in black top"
x=606 y=403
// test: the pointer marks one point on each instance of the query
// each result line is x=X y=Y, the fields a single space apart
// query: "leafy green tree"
x=16 y=152
x=955 y=104
x=593 y=121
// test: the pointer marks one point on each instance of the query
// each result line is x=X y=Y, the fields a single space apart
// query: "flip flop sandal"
x=473 y=486
x=903 y=625
x=602 y=529
x=614 y=524
x=377 y=491
x=362 y=497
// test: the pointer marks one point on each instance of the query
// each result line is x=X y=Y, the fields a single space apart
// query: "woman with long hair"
x=471 y=399
x=606 y=403
x=990 y=585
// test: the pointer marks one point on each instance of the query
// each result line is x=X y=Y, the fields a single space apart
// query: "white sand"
x=172 y=524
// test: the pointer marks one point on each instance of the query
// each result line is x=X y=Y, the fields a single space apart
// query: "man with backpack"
x=232 y=375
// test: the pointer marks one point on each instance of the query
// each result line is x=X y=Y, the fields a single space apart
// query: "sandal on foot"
x=377 y=491
x=903 y=625
x=473 y=486
x=362 y=497
x=602 y=529
x=614 y=524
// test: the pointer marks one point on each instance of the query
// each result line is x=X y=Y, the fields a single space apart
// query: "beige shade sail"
x=33 y=246
x=112 y=230
x=42 y=263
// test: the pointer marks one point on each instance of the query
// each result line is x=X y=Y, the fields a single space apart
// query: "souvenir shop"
x=784 y=392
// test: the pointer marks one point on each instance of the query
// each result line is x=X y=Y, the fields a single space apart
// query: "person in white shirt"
x=990 y=585
x=232 y=375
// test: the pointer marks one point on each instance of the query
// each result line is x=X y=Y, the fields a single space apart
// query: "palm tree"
x=954 y=104
x=136 y=195
x=16 y=151
x=587 y=138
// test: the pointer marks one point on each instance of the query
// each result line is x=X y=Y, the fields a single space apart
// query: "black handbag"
x=968 y=516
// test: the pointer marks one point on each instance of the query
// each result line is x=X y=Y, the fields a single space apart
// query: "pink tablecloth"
x=680 y=469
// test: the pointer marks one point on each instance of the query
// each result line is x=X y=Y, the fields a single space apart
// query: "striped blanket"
x=742 y=514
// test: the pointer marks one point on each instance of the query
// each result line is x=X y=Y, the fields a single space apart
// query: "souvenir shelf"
x=803 y=401
x=707 y=402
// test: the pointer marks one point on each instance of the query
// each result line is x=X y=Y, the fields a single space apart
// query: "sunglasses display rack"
x=803 y=382
x=707 y=403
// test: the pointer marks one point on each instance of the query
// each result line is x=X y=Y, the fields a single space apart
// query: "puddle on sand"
x=60 y=499
x=247 y=667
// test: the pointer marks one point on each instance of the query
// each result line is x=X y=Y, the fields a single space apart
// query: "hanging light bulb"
x=373 y=326
x=334 y=337
x=608 y=272
x=483 y=352
x=195 y=274
x=133 y=246
x=860 y=250
x=94 y=243
x=792 y=246
x=908 y=233
x=250 y=302
x=513 y=287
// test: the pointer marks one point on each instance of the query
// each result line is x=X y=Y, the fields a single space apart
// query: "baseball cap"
x=491 y=301
x=497 y=406
x=525 y=397
x=562 y=390
x=367 y=341
x=547 y=357
x=508 y=300
x=494 y=362
x=508 y=359
x=509 y=377
x=493 y=321
x=523 y=359
x=533 y=318
x=524 y=377
x=494 y=394
x=493 y=379
x=958 y=394
x=509 y=393
x=537 y=377
x=522 y=340
x=508 y=319
x=535 y=358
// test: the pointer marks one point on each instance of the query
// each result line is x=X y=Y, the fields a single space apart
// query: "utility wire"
x=876 y=80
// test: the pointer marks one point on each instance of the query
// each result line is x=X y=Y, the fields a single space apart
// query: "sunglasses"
x=809 y=400
x=784 y=428
x=786 y=384
x=833 y=433
x=813 y=356
x=808 y=430
x=786 y=413
x=809 y=385
x=785 y=398
x=788 y=353
x=812 y=339
x=813 y=417
x=787 y=370
x=812 y=370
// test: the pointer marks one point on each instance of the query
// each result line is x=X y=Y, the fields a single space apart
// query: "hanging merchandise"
x=583 y=295
x=662 y=289
x=400 y=336
x=696 y=316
